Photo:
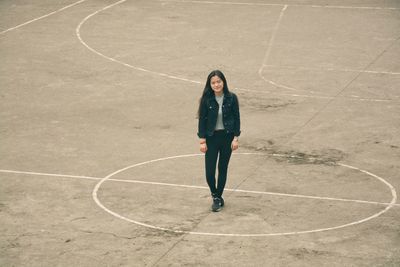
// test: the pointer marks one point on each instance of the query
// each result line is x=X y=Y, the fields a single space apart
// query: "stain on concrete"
x=301 y=253
x=261 y=103
x=328 y=156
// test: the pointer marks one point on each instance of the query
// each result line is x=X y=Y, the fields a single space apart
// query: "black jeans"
x=218 y=144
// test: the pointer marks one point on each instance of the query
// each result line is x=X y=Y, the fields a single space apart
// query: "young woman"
x=218 y=130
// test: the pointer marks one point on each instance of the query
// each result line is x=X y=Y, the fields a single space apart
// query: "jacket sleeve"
x=236 y=114
x=201 y=132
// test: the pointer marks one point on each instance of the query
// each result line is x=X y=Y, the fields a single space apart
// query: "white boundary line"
x=94 y=194
x=265 y=4
x=117 y=215
x=331 y=69
x=355 y=7
x=195 y=187
x=42 y=17
x=349 y=98
x=268 y=52
x=102 y=180
x=279 y=85
x=220 y=3
x=78 y=34
x=272 y=40
x=51 y=174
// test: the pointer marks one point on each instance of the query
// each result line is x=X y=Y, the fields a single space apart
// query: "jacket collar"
x=226 y=95
x=229 y=94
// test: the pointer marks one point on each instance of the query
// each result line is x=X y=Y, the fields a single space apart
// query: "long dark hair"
x=208 y=91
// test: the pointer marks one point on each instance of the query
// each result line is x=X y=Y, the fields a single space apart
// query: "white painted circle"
x=117 y=215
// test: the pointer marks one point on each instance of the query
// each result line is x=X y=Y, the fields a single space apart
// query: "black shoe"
x=222 y=201
x=217 y=204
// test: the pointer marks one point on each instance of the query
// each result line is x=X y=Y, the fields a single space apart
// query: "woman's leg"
x=224 y=157
x=211 y=163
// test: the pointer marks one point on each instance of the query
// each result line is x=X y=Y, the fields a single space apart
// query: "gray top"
x=220 y=124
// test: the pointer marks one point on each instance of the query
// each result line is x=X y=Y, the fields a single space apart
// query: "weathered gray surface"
x=327 y=95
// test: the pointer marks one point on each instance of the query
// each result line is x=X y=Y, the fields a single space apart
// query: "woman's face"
x=217 y=85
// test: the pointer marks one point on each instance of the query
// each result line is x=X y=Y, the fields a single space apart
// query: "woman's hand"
x=235 y=144
x=203 y=145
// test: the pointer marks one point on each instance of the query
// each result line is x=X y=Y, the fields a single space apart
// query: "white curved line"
x=78 y=29
x=98 y=202
x=392 y=189
x=272 y=40
x=268 y=52
x=266 y=57
x=42 y=17
x=78 y=34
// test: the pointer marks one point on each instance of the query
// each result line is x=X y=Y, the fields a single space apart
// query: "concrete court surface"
x=99 y=160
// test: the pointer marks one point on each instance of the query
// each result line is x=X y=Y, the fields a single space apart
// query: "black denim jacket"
x=209 y=113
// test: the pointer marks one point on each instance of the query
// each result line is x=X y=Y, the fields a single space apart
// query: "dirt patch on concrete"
x=262 y=103
x=327 y=156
